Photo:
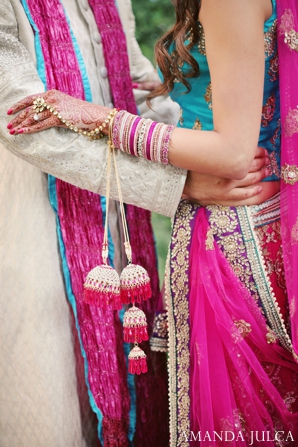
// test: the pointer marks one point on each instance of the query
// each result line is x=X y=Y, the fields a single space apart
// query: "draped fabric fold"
x=81 y=224
x=288 y=67
x=228 y=329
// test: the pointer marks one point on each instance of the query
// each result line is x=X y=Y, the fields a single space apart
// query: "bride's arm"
x=235 y=51
x=235 y=48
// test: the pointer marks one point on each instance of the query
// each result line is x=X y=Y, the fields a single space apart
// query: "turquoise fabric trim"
x=71 y=298
x=38 y=51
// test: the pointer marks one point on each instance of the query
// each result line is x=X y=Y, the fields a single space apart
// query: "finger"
x=261 y=152
x=22 y=116
x=259 y=163
x=149 y=85
x=52 y=121
x=235 y=197
x=33 y=119
x=23 y=103
x=252 y=178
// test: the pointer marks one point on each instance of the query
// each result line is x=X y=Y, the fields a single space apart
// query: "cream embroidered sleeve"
x=73 y=158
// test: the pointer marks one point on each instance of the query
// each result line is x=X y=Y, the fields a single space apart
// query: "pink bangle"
x=141 y=137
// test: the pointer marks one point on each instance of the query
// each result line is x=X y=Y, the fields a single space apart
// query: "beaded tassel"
x=134 y=284
x=137 y=362
x=102 y=287
x=135 y=326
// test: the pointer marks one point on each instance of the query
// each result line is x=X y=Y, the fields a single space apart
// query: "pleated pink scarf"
x=80 y=217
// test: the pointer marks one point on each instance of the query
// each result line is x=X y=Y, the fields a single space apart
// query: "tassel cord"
x=122 y=210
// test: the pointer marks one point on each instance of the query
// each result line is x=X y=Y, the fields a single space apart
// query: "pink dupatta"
x=288 y=66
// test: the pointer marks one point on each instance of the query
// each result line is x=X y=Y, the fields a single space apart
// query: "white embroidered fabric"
x=73 y=158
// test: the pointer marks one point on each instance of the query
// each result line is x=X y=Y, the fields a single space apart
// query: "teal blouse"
x=196 y=106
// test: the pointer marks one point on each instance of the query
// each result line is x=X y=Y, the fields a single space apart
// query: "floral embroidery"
x=224 y=225
x=197 y=124
x=268 y=110
x=289 y=174
x=208 y=95
x=294 y=233
x=270 y=40
x=177 y=64
x=287 y=22
x=159 y=338
x=276 y=135
x=243 y=327
x=274 y=68
x=261 y=277
x=291 y=122
x=273 y=165
x=270 y=336
x=286 y=27
x=201 y=43
x=178 y=314
x=289 y=399
x=292 y=307
x=209 y=240
x=181 y=119
x=233 y=423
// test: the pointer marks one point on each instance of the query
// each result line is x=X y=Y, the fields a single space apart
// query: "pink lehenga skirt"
x=233 y=378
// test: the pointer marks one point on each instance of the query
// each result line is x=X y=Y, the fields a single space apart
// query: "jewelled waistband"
x=267 y=212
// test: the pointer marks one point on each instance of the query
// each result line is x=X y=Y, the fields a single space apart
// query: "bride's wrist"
x=141 y=137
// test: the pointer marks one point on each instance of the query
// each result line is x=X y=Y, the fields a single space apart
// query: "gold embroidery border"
x=261 y=278
x=176 y=292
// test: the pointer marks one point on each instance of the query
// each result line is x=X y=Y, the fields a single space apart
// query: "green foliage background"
x=153 y=18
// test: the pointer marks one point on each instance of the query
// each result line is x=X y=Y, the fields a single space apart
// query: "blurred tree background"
x=153 y=18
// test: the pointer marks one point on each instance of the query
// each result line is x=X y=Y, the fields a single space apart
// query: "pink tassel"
x=137 y=362
x=135 y=326
x=102 y=287
x=134 y=284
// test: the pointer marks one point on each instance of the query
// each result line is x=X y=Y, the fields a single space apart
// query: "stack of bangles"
x=141 y=137
x=131 y=134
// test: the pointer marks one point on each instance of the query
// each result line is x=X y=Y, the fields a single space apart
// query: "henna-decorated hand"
x=82 y=114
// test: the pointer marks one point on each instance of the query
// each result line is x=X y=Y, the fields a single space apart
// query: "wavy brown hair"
x=187 y=12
